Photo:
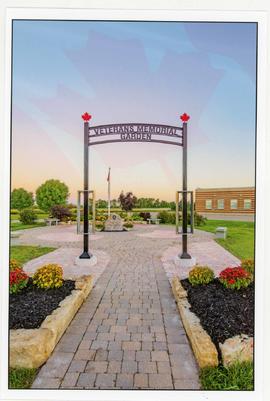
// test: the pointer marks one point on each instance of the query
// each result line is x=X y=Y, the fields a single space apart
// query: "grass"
x=240 y=236
x=24 y=253
x=39 y=216
x=236 y=377
x=21 y=226
x=21 y=378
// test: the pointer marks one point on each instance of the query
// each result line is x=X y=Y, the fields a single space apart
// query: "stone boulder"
x=114 y=223
x=237 y=349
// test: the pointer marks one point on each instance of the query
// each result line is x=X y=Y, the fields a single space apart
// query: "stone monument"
x=114 y=223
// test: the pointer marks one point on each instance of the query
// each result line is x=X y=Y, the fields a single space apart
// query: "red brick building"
x=225 y=201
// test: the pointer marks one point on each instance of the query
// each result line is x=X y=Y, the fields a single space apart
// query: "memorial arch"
x=138 y=132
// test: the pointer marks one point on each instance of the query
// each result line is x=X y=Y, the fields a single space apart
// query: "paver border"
x=30 y=348
x=204 y=349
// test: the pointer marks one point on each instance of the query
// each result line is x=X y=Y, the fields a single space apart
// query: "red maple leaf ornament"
x=86 y=116
x=185 y=117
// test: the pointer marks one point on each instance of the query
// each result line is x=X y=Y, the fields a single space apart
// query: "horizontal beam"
x=134 y=140
x=152 y=133
x=98 y=127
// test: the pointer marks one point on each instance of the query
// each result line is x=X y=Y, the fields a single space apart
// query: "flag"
x=109 y=175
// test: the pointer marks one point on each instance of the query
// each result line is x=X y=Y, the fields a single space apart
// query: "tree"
x=51 y=193
x=127 y=201
x=21 y=199
x=101 y=204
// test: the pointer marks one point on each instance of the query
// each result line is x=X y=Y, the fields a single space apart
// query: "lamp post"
x=185 y=255
x=86 y=254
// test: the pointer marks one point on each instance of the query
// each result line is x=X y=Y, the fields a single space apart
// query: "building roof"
x=226 y=189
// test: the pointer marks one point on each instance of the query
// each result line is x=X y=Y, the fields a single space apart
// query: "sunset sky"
x=149 y=72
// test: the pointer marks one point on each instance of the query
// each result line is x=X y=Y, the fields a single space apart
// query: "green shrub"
x=48 y=276
x=128 y=224
x=123 y=215
x=14 y=211
x=166 y=217
x=136 y=217
x=248 y=265
x=38 y=211
x=61 y=212
x=99 y=225
x=28 y=216
x=200 y=275
x=199 y=220
x=101 y=218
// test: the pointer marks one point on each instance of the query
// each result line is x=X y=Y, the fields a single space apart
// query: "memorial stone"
x=114 y=223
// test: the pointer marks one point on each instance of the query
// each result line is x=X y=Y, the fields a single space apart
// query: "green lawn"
x=240 y=236
x=20 y=226
x=23 y=253
x=21 y=378
x=236 y=377
x=39 y=216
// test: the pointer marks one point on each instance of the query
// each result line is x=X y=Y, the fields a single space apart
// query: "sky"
x=120 y=72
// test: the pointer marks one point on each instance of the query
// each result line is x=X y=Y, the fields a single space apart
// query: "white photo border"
x=136 y=15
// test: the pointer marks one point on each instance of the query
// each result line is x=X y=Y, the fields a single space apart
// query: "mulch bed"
x=223 y=312
x=32 y=305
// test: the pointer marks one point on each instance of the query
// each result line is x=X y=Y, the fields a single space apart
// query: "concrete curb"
x=204 y=349
x=30 y=348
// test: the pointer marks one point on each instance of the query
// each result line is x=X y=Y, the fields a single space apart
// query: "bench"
x=52 y=222
x=154 y=221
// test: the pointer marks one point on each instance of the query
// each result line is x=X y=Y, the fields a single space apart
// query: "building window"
x=233 y=203
x=208 y=204
x=247 y=203
x=220 y=204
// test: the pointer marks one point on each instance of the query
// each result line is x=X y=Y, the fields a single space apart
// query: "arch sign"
x=135 y=132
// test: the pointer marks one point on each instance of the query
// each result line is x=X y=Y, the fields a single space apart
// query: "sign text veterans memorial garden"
x=135 y=132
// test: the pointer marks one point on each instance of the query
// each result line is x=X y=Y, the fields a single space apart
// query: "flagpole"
x=109 y=192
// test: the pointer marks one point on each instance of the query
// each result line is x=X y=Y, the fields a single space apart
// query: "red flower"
x=231 y=281
x=185 y=117
x=86 y=116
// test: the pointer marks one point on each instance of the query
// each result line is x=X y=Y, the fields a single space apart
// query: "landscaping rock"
x=204 y=349
x=30 y=348
x=237 y=349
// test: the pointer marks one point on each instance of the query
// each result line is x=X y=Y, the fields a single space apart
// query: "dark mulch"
x=223 y=312
x=32 y=305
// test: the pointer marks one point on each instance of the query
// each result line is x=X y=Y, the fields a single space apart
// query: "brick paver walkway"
x=128 y=333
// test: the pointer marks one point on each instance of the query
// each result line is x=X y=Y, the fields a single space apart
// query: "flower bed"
x=30 y=348
x=223 y=312
x=41 y=308
x=31 y=305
